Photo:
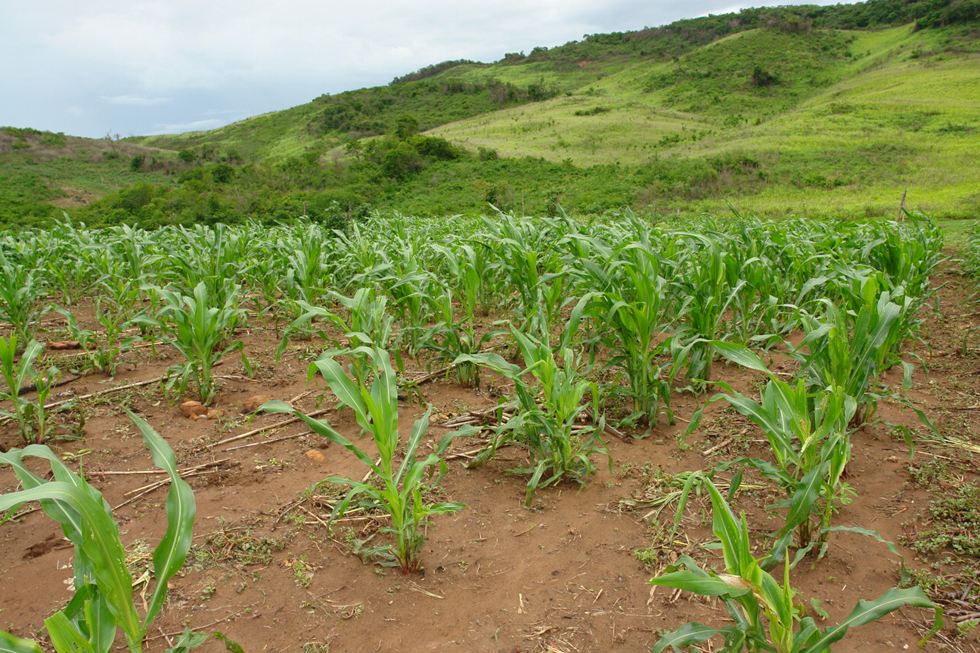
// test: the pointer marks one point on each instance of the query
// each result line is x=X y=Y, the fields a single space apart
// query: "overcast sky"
x=130 y=67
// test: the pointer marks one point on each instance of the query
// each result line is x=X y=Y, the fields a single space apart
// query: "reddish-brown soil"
x=497 y=577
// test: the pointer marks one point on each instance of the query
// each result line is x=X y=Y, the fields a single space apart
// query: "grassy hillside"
x=789 y=110
x=43 y=174
x=851 y=120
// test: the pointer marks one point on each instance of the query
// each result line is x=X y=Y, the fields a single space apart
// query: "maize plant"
x=200 y=331
x=546 y=414
x=851 y=349
x=409 y=292
x=65 y=268
x=907 y=255
x=704 y=296
x=103 y=598
x=31 y=416
x=103 y=353
x=367 y=324
x=451 y=337
x=764 y=614
x=19 y=293
x=214 y=257
x=397 y=490
x=474 y=275
x=533 y=267
x=632 y=309
x=310 y=268
x=809 y=436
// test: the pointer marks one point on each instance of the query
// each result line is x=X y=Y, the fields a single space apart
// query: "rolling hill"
x=822 y=111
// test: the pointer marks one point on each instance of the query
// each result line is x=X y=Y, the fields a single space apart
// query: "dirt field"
x=268 y=571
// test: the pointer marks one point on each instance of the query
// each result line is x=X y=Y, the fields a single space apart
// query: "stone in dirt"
x=64 y=344
x=193 y=409
x=315 y=456
x=252 y=404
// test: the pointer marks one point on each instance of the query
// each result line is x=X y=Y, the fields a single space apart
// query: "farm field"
x=593 y=377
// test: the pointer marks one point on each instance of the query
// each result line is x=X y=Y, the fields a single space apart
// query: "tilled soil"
x=268 y=570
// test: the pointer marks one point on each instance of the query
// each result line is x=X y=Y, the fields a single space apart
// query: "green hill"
x=790 y=110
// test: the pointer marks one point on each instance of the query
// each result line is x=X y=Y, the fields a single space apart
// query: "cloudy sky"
x=131 y=67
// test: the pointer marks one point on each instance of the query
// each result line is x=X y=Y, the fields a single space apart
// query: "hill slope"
x=802 y=110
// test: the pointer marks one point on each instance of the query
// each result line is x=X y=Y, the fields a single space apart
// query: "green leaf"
x=870 y=533
x=170 y=554
x=188 y=640
x=741 y=355
x=699 y=583
x=65 y=636
x=11 y=644
x=868 y=611
x=687 y=635
x=101 y=548
x=230 y=645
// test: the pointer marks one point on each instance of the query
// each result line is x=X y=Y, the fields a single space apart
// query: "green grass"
x=42 y=173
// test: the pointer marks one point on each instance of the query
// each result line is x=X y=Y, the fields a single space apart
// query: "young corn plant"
x=704 y=296
x=19 y=293
x=410 y=292
x=547 y=411
x=851 y=349
x=765 y=616
x=103 y=353
x=474 y=276
x=309 y=270
x=30 y=415
x=533 y=266
x=394 y=488
x=200 y=332
x=367 y=324
x=213 y=256
x=451 y=337
x=125 y=294
x=103 y=598
x=632 y=311
x=809 y=436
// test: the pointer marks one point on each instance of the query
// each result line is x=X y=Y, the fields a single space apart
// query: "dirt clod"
x=193 y=409
x=64 y=344
x=252 y=404
x=315 y=456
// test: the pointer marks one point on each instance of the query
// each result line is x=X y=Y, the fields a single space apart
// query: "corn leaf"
x=66 y=637
x=101 y=546
x=11 y=644
x=170 y=554
x=868 y=611
x=687 y=635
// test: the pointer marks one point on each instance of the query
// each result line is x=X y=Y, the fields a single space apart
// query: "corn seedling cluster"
x=765 y=615
x=103 y=352
x=19 y=294
x=20 y=375
x=396 y=489
x=546 y=415
x=200 y=329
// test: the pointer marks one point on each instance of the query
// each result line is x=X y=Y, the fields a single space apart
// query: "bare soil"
x=268 y=571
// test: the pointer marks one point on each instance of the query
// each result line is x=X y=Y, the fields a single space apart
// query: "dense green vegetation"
x=805 y=110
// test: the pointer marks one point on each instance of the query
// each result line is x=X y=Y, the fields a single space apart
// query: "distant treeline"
x=430 y=71
x=375 y=111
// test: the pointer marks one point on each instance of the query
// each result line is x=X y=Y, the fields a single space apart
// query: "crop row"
x=602 y=320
